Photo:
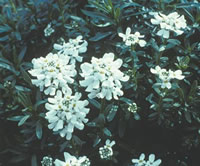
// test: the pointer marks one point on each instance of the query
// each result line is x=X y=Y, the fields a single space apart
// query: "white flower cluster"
x=172 y=22
x=132 y=107
x=102 y=77
x=165 y=76
x=72 y=161
x=48 y=30
x=142 y=162
x=106 y=151
x=47 y=161
x=66 y=112
x=73 y=48
x=53 y=72
x=132 y=39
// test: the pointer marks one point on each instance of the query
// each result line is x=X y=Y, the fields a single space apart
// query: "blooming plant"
x=102 y=77
x=172 y=22
x=99 y=81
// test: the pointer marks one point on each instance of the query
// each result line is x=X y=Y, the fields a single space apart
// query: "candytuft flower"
x=73 y=48
x=102 y=77
x=106 y=151
x=66 y=112
x=47 y=161
x=142 y=162
x=48 y=30
x=72 y=161
x=166 y=76
x=52 y=73
x=132 y=39
x=172 y=22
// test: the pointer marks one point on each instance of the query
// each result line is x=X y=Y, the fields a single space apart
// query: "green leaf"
x=15 y=118
x=38 y=129
x=2 y=39
x=126 y=100
x=95 y=103
x=95 y=15
x=9 y=67
x=21 y=54
x=25 y=75
x=5 y=28
x=112 y=113
x=34 y=160
x=21 y=88
x=107 y=132
x=188 y=116
x=96 y=141
x=23 y=120
x=78 y=141
x=100 y=35
x=38 y=103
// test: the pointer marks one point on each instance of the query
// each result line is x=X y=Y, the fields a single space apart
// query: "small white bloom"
x=48 y=30
x=172 y=22
x=152 y=161
x=69 y=160
x=106 y=151
x=176 y=74
x=84 y=161
x=73 y=48
x=132 y=39
x=47 y=161
x=141 y=161
x=166 y=76
x=52 y=73
x=66 y=112
x=132 y=107
x=102 y=77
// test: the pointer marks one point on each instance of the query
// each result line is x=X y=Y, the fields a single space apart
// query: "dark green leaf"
x=99 y=36
x=95 y=103
x=34 y=160
x=8 y=67
x=23 y=120
x=188 y=116
x=21 y=54
x=15 y=118
x=2 y=39
x=38 y=129
x=96 y=141
x=107 y=132
x=112 y=113
x=5 y=28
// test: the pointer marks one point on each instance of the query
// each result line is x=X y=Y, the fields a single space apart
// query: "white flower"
x=152 y=162
x=132 y=39
x=176 y=74
x=47 y=161
x=132 y=107
x=66 y=112
x=106 y=151
x=84 y=161
x=73 y=48
x=69 y=160
x=72 y=161
x=157 y=70
x=166 y=76
x=48 y=30
x=172 y=22
x=102 y=77
x=52 y=73
x=140 y=161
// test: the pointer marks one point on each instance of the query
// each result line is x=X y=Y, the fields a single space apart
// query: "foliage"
x=146 y=118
